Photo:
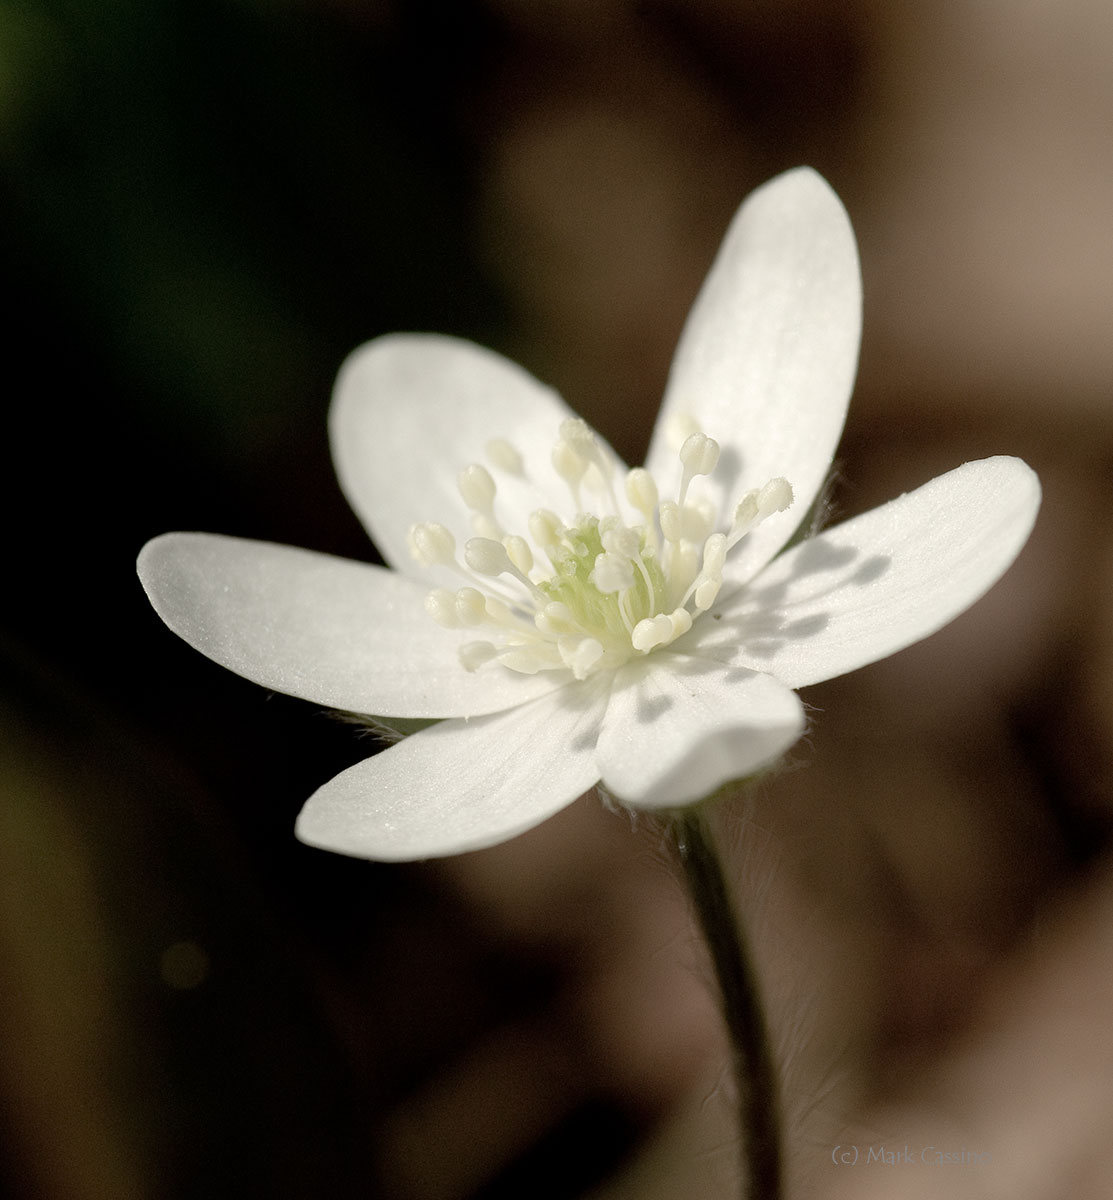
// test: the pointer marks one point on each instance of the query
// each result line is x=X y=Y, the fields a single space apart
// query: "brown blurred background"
x=205 y=206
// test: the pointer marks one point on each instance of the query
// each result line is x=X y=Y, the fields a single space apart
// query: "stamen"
x=706 y=594
x=485 y=556
x=660 y=630
x=519 y=553
x=433 y=545
x=706 y=585
x=612 y=573
x=599 y=475
x=621 y=541
x=556 y=618
x=528 y=660
x=504 y=456
x=578 y=434
x=699 y=456
x=611 y=590
x=545 y=528
x=471 y=607
x=475 y=654
x=570 y=465
x=775 y=496
x=714 y=554
x=641 y=491
x=697 y=520
x=684 y=565
x=598 y=481
x=672 y=526
x=650 y=591
x=579 y=653
x=441 y=606
x=477 y=489
x=500 y=613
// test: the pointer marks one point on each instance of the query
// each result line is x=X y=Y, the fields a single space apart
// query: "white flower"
x=576 y=622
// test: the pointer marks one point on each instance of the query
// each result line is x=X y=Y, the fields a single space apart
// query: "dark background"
x=205 y=206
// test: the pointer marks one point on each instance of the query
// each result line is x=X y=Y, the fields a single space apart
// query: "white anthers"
x=433 y=545
x=710 y=579
x=612 y=573
x=440 y=604
x=503 y=455
x=578 y=433
x=619 y=539
x=519 y=553
x=462 y=609
x=614 y=587
x=660 y=630
x=544 y=528
x=569 y=464
x=477 y=487
x=774 y=497
x=671 y=520
x=699 y=456
x=755 y=506
x=641 y=491
x=579 y=654
x=475 y=654
x=485 y=556
x=477 y=490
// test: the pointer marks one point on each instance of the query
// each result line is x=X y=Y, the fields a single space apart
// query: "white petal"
x=461 y=785
x=343 y=634
x=411 y=410
x=767 y=359
x=880 y=582
x=677 y=728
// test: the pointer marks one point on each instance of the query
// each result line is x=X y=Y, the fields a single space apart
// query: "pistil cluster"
x=598 y=591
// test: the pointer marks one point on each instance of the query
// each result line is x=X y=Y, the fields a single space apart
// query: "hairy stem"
x=754 y=1070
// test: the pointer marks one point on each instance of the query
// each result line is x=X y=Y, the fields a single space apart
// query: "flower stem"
x=754 y=1071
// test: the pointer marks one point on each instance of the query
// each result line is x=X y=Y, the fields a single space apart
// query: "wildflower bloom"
x=573 y=621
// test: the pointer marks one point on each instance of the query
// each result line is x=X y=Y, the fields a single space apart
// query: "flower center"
x=596 y=591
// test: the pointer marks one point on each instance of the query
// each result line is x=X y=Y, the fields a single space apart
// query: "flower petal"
x=678 y=728
x=461 y=785
x=411 y=410
x=767 y=359
x=880 y=582
x=343 y=634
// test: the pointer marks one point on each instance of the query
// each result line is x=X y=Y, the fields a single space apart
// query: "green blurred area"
x=205 y=206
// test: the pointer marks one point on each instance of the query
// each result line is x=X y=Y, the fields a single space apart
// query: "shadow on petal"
x=768 y=632
x=649 y=708
x=759 y=618
x=872 y=569
x=579 y=698
x=728 y=472
x=814 y=557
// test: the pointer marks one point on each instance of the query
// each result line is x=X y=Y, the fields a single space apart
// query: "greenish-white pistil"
x=595 y=592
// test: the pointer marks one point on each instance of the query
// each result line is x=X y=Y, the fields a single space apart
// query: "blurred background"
x=205 y=206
